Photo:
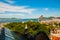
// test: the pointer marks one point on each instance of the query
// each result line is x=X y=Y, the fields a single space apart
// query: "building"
x=6 y=34
x=55 y=34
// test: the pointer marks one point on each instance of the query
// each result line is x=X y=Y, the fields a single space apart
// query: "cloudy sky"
x=29 y=8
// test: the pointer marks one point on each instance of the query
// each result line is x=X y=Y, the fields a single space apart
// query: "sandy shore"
x=2 y=24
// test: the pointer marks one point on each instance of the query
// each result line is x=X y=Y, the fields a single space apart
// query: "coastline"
x=2 y=24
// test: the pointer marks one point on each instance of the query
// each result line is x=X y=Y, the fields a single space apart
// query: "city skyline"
x=29 y=8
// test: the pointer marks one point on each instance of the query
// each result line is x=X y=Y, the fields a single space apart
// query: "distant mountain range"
x=20 y=20
x=32 y=18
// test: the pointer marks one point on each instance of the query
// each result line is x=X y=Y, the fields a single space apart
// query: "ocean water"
x=17 y=20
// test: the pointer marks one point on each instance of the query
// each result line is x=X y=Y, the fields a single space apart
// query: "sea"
x=17 y=20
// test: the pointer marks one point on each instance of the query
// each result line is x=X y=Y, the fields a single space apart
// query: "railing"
x=2 y=34
x=8 y=35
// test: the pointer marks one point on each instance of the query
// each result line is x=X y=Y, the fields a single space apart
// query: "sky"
x=29 y=8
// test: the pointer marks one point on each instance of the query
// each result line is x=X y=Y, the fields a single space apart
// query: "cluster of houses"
x=54 y=32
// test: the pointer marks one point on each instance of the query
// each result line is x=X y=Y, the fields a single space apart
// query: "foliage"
x=33 y=27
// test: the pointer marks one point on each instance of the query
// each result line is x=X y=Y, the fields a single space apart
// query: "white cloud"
x=9 y=8
x=36 y=16
x=11 y=15
x=46 y=9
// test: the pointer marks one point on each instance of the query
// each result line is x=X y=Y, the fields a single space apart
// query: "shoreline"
x=3 y=23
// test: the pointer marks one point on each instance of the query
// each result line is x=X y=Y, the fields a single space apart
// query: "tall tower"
x=26 y=33
x=26 y=29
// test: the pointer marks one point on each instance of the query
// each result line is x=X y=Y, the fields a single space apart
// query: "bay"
x=17 y=20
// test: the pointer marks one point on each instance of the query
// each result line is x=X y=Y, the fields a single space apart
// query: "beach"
x=2 y=24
